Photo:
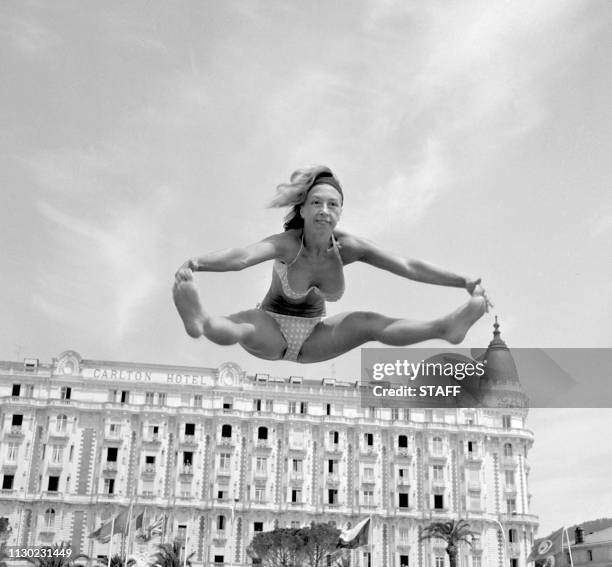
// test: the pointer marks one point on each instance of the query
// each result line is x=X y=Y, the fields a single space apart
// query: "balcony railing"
x=109 y=466
x=15 y=431
x=186 y=470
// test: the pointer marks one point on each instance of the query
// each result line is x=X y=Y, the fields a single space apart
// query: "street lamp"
x=503 y=532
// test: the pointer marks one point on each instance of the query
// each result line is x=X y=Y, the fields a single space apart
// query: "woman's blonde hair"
x=293 y=194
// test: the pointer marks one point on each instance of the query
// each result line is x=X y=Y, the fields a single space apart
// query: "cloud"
x=28 y=37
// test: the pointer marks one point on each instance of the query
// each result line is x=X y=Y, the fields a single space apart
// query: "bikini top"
x=282 y=269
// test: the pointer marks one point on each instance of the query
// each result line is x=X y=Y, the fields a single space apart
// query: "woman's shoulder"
x=350 y=245
x=287 y=244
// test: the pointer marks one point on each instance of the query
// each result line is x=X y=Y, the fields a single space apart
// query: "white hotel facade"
x=224 y=454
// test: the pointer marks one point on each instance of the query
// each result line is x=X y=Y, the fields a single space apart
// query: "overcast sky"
x=475 y=135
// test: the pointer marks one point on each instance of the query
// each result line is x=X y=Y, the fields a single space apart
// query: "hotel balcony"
x=263 y=445
x=438 y=485
x=296 y=478
x=474 y=485
x=152 y=439
x=113 y=437
x=56 y=435
x=333 y=448
x=438 y=457
x=332 y=480
x=188 y=440
x=403 y=454
x=149 y=470
x=473 y=458
x=368 y=452
x=109 y=467
x=186 y=470
x=508 y=462
x=15 y=432
x=403 y=481
x=147 y=494
x=55 y=467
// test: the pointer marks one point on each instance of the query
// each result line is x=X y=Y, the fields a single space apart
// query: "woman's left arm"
x=362 y=250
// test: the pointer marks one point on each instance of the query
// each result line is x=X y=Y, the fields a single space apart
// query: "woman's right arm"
x=235 y=259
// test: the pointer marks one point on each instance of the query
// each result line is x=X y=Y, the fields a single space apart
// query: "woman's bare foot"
x=188 y=305
x=456 y=325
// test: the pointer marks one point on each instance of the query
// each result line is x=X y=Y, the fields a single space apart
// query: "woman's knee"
x=222 y=331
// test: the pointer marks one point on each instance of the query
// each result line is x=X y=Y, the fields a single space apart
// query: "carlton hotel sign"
x=70 y=363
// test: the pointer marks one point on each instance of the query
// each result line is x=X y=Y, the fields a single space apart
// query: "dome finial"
x=496 y=332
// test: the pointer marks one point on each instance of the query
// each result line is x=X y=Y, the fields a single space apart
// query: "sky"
x=474 y=135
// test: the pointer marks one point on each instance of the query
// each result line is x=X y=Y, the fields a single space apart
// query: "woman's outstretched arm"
x=235 y=259
x=361 y=250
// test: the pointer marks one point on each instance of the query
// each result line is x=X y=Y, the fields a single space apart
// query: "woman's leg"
x=339 y=334
x=253 y=329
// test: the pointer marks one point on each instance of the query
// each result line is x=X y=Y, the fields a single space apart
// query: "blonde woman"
x=309 y=258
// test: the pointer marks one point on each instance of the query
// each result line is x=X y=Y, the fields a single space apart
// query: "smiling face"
x=322 y=208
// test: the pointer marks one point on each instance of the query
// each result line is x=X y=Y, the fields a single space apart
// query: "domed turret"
x=500 y=385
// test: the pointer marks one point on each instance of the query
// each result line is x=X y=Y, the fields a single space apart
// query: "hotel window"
x=220 y=523
x=332 y=496
x=403 y=499
x=474 y=502
x=303 y=407
x=186 y=489
x=471 y=446
x=256 y=405
x=57 y=453
x=334 y=437
x=227 y=404
x=437 y=445
x=369 y=439
x=260 y=494
x=332 y=466
x=510 y=505
x=12 y=451
x=220 y=495
x=512 y=535
x=438 y=501
x=328 y=409
x=187 y=458
x=402 y=441
x=261 y=464
x=29 y=393
x=368 y=497
x=161 y=399
x=367 y=559
x=296 y=496
x=226 y=431
x=295 y=525
x=506 y=421
x=439 y=561
x=150 y=460
x=394 y=414
x=589 y=555
x=7 y=482
x=153 y=431
x=125 y=397
x=112 y=396
x=17 y=420
x=149 y=398
x=270 y=405
x=438 y=473
x=476 y=561
x=372 y=412
x=403 y=473
x=49 y=518
x=61 y=421
x=262 y=433
x=219 y=559
x=508 y=450
x=111 y=454
x=368 y=473
x=225 y=461
x=469 y=419
x=404 y=535
x=404 y=561
x=292 y=407
x=406 y=414
x=185 y=399
x=65 y=392
x=16 y=390
x=258 y=526
x=297 y=466
x=182 y=532
x=71 y=453
x=190 y=429
x=197 y=401
x=509 y=477
x=53 y=485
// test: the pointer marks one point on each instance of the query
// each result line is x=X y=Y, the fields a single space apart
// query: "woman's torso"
x=301 y=286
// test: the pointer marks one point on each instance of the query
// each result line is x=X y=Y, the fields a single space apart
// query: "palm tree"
x=171 y=555
x=452 y=532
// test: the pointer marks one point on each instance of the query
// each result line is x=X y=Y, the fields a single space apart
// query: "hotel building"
x=223 y=454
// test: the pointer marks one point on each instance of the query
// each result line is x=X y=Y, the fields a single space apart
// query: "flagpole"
x=129 y=531
x=569 y=547
x=110 y=543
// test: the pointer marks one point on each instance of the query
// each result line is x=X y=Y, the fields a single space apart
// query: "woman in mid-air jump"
x=309 y=259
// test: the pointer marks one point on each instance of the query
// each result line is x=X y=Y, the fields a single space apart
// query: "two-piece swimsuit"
x=296 y=329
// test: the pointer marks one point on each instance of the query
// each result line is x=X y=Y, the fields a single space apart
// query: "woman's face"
x=322 y=208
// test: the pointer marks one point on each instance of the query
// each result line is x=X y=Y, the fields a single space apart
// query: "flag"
x=545 y=549
x=139 y=520
x=357 y=536
x=118 y=525
x=155 y=528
